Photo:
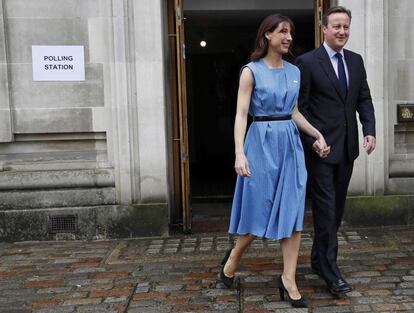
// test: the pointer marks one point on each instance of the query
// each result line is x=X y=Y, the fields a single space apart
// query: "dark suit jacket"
x=323 y=106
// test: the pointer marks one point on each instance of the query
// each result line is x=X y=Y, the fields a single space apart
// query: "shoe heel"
x=299 y=303
x=226 y=257
x=227 y=281
x=281 y=294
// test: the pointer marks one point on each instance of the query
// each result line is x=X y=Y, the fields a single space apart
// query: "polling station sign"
x=58 y=63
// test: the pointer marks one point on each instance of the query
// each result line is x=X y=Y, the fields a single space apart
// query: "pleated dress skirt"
x=270 y=203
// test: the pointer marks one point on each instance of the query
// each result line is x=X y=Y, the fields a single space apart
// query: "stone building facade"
x=97 y=156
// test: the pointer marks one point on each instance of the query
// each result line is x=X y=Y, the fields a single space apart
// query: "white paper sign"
x=58 y=63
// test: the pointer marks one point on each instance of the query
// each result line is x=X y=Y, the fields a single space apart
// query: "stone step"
x=71 y=197
x=54 y=179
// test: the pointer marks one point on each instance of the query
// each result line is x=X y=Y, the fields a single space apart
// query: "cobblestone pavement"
x=179 y=274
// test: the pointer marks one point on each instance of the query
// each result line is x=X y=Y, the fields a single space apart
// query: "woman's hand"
x=241 y=165
x=320 y=147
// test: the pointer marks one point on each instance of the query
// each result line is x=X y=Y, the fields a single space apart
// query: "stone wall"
x=367 y=38
x=380 y=32
x=383 y=184
x=97 y=149
x=400 y=91
x=72 y=146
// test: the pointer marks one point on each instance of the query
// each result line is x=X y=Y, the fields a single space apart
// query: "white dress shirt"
x=334 y=60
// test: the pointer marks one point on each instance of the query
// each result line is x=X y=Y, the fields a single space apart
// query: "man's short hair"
x=338 y=9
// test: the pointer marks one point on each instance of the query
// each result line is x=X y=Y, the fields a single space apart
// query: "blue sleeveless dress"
x=270 y=203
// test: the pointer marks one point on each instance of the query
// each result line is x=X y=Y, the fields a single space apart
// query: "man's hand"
x=321 y=148
x=369 y=143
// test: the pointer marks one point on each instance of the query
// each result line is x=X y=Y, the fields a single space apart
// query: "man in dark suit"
x=333 y=88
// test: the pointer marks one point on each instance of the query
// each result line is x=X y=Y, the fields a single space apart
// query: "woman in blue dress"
x=270 y=190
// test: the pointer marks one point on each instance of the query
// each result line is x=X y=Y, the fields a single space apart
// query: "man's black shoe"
x=339 y=287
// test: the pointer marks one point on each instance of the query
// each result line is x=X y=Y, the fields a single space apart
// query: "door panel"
x=182 y=115
x=320 y=8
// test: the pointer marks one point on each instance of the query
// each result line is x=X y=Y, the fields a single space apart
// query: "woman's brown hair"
x=269 y=24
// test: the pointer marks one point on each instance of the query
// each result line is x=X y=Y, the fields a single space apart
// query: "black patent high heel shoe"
x=227 y=281
x=299 y=303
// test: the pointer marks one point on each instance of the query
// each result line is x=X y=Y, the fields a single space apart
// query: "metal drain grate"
x=63 y=224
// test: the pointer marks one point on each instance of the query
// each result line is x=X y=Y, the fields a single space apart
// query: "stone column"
x=119 y=138
x=400 y=80
x=150 y=85
x=367 y=39
x=6 y=133
x=139 y=131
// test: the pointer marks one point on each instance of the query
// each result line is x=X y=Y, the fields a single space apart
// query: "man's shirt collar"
x=332 y=52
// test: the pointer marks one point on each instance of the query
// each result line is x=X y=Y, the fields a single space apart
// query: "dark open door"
x=180 y=141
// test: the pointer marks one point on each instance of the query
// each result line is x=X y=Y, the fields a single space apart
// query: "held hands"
x=241 y=165
x=320 y=147
x=369 y=143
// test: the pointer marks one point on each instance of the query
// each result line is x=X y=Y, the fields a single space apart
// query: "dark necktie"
x=341 y=75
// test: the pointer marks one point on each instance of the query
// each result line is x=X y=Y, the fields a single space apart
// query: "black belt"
x=272 y=118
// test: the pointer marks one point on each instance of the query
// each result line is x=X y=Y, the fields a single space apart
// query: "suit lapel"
x=326 y=64
x=351 y=72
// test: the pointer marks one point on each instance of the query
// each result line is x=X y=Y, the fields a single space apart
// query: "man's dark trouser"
x=328 y=188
